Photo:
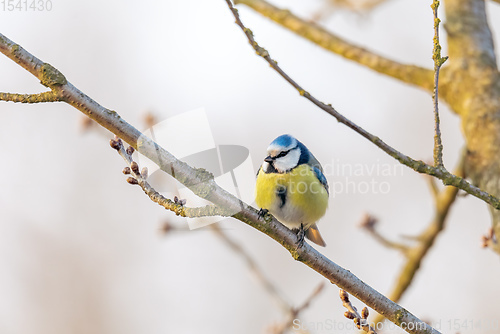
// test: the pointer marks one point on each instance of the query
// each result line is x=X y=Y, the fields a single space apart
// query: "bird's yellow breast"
x=294 y=198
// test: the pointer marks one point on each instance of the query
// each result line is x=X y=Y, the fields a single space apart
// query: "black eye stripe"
x=282 y=154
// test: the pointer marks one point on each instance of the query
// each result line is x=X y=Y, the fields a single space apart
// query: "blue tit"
x=291 y=185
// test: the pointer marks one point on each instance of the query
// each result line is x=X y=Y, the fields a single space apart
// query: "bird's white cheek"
x=281 y=166
x=287 y=162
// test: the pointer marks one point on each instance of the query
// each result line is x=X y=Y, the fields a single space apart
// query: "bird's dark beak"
x=269 y=159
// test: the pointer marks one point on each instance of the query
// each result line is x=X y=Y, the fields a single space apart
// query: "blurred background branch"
x=369 y=223
x=361 y=7
x=411 y=74
x=290 y=312
x=443 y=200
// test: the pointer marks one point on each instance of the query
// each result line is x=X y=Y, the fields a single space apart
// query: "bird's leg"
x=262 y=213
x=301 y=233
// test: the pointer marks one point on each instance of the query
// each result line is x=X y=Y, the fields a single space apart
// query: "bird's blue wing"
x=321 y=177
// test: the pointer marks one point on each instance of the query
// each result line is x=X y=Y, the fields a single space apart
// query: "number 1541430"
x=26 y=5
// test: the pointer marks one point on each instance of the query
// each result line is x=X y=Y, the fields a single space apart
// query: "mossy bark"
x=472 y=89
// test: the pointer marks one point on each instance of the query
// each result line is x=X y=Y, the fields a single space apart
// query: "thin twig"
x=140 y=178
x=360 y=320
x=446 y=177
x=203 y=185
x=438 y=62
x=369 y=223
x=30 y=98
x=411 y=74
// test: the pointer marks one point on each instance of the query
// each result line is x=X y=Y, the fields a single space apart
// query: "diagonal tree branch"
x=139 y=177
x=203 y=185
x=417 y=165
x=411 y=74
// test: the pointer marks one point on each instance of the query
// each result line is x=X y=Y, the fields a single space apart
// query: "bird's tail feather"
x=312 y=233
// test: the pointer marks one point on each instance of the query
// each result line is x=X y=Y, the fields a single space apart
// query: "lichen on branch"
x=220 y=197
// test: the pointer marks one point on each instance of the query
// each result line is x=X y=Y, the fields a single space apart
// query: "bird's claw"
x=262 y=213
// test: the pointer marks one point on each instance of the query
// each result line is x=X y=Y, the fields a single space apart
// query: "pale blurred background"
x=81 y=251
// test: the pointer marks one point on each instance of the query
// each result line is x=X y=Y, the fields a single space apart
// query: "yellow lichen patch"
x=50 y=76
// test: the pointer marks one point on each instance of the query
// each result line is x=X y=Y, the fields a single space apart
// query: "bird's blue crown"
x=284 y=141
x=289 y=142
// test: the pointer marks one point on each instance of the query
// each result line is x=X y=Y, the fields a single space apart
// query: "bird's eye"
x=282 y=154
